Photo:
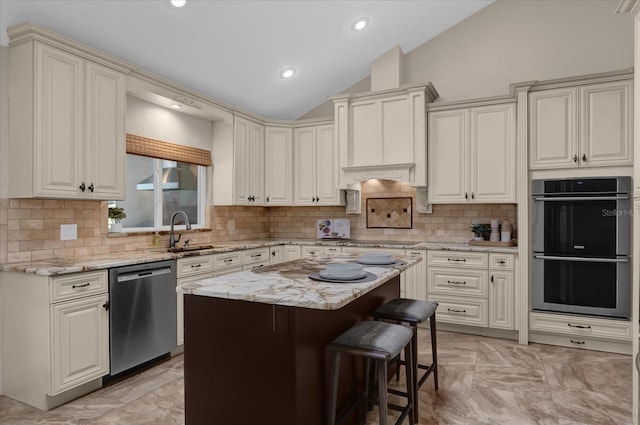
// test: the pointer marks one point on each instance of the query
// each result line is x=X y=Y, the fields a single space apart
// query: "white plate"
x=325 y=274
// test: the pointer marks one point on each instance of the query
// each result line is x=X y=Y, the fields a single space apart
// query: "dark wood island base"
x=264 y=364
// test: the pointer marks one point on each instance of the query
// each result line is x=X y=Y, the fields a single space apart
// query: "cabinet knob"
x=466 y=196
x=91 y=187
x=491 y=278
x=473 y=195
x=106 y=306
x=584 y=157
x=267 y=199
x=575 y=158
x=82 y=187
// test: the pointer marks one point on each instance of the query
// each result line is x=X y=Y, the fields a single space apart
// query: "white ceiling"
x=234 y=50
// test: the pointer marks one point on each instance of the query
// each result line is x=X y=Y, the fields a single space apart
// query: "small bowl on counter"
x=343 y=271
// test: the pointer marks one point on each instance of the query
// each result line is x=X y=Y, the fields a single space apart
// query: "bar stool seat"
x=412 y=312
x=378 y=342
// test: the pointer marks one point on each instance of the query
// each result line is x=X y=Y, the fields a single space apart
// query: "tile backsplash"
x=30 y=228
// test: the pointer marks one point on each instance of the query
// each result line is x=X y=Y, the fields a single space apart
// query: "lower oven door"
x=594 y=286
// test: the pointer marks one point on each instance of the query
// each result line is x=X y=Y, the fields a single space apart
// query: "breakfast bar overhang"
x=255 y=340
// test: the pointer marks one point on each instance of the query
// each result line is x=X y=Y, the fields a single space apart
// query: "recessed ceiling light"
x=360 y=24
x=176 y=106
x=178 y=3
x=287 y=73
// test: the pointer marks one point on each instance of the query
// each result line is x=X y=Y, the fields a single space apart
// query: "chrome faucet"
x=172 y=238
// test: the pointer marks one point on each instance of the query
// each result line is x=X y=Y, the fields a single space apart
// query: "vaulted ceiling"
x=234 y=51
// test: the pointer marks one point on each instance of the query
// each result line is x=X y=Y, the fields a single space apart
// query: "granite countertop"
x=289 y=284
x=99 y=262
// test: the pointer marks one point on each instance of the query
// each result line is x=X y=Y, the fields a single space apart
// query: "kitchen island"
x=255 y=340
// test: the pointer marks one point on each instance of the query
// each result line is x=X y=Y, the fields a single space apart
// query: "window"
x=156 y=188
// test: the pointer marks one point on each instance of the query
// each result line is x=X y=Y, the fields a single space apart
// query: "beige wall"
x=4 y=168
x=516 y=41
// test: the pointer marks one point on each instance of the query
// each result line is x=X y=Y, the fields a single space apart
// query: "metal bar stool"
x=412 y=312
x=380 y=342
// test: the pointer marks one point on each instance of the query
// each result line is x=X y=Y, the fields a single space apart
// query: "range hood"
x=173 y=178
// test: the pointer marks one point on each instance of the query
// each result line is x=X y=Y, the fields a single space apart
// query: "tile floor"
x=482 y=381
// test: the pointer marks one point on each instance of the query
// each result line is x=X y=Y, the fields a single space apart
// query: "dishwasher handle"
x=143 y=274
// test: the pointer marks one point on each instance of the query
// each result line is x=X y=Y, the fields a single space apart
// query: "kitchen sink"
x=190 y=248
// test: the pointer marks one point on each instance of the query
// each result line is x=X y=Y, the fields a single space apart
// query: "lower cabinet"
x=276 y=254
x=291 y=252
x=313 y=251
x=55 y=336
x=189 y=269
x=472 y=288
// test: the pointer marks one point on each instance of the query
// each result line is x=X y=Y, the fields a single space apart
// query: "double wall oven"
x=581 y=246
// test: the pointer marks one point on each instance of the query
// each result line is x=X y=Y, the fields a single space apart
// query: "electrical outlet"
x=68 y=232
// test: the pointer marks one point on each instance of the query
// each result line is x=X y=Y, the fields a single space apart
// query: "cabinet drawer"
x=463 y=311
x=202 y=264
x=78 y=285
x=312 y=251
x=476 y=260
x=451 y=281
x=255 y=266
x=259 y=255
x=228 y=270
x=501 y=261
x=581 y=326
x=332 y=250
x=231 y=259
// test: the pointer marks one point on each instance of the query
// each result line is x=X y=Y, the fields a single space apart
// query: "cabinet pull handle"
x=466 y=196
x=312 y=253
x=228 y=260
x=256 y=255
x=577 y=342
x=473 y=196
x=575 y=158
x=267 y=199
x=82 y=187
x=257 y=267
x=273 y=253
x=456 y=311
x=502 y=262
x=195 y=266
x=456 y=259
x=106 y=305
x=579 y=326
x=584 y=157
x=456 y=283
x=82 y=285
x=91 y=187
x=491 y=278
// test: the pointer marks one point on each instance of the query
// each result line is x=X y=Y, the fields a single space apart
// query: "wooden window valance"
x=144 y=146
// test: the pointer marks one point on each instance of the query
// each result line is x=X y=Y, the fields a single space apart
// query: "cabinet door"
x=311 y=251
x=276 y=254
x=59 y=124
x=364 y=135
x=493 y=153
x=605 y=124
x=448 y=136
x=291 y=252
x=105 y=141
x=415 y=278
x=80 y=342
x=327 y=192
x=396 y=130
x=553 y=131
x=501 y=300
x=249 y=162
x=304 y=168
x=278 y=166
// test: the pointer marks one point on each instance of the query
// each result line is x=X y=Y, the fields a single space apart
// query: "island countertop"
x=289 y=284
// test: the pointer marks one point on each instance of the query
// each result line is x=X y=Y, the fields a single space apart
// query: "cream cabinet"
x=382 y=135
x=67 y=125
x=255 y=258
x=315 y=170
x=278 y=165
x=472 y=153
x=291 y=252
x=188 y=270
x=55 y=336
x=276 y=254
x=248 y=142
x=581 y=126
x=314 y=251
x=473 y=288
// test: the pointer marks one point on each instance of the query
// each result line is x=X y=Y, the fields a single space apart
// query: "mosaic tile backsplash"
x=391 y=213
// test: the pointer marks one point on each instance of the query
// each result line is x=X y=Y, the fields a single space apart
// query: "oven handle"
x=588 y=260
x=581 y=198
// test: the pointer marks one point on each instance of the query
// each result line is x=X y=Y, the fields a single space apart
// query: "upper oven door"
x=581 y=224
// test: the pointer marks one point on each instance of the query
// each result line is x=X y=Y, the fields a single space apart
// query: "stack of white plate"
x=376 y=258
x=342 y=271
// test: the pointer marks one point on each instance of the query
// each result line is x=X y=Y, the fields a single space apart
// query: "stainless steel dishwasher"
x=142 y=313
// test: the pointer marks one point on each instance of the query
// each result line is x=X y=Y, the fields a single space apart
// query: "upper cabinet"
x=278 y=166
x=248 y=142
x=472 y=154
x=315 y=171
x=381 y=135
x=581 y=126
x=66 y=126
